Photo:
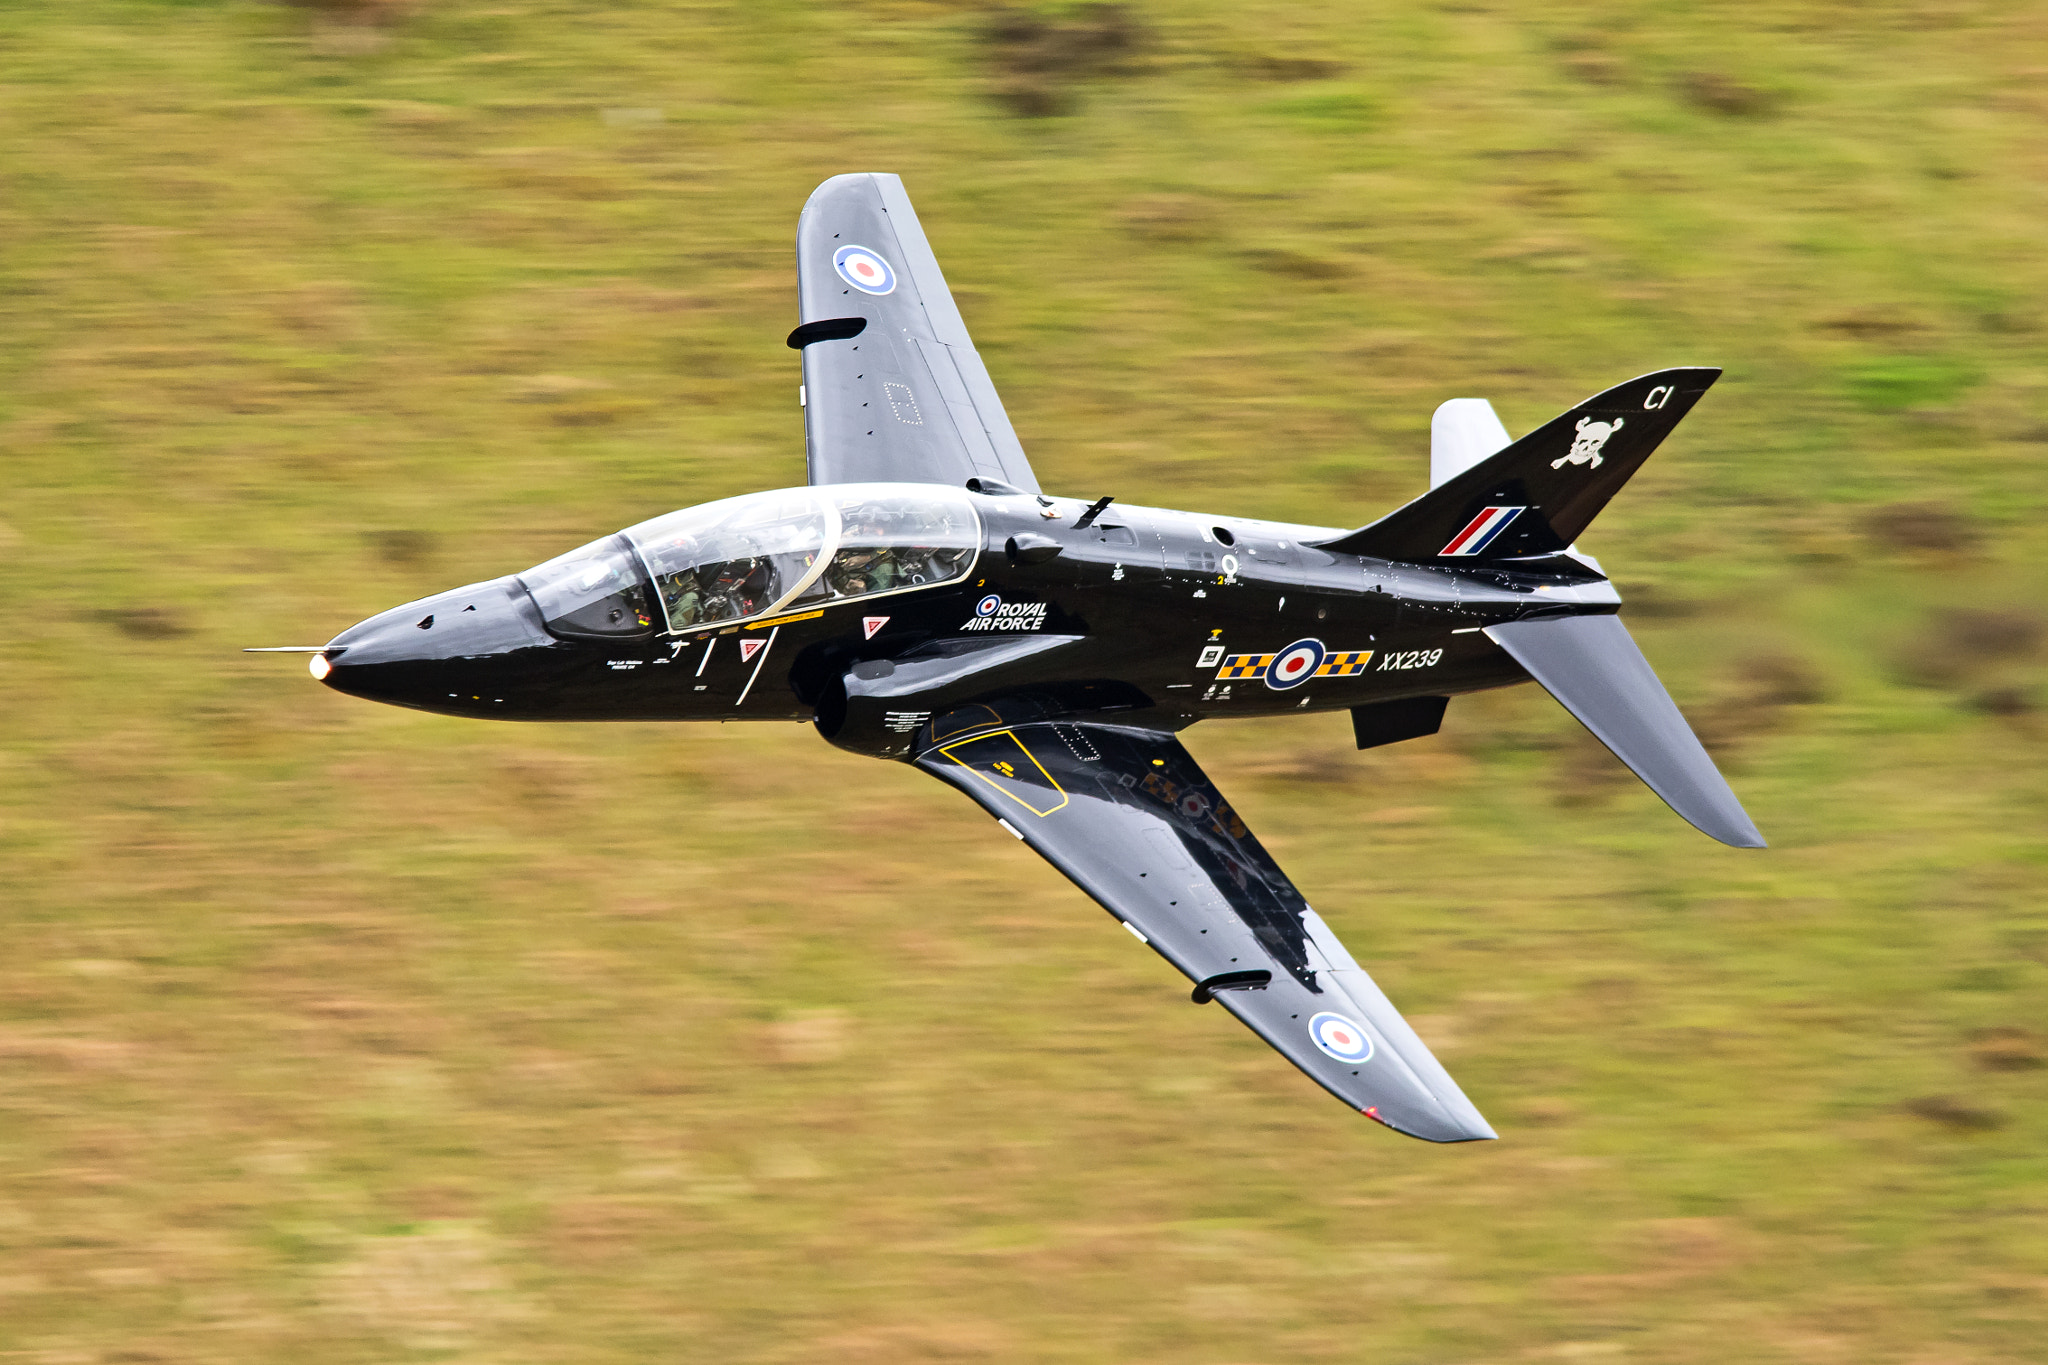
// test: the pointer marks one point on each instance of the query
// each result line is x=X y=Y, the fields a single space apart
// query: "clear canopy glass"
x=748 y=556
x=595 y=592
x=797 y=547
x=729 y=560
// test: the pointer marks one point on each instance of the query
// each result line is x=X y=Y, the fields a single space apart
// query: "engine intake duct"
x=877 y=706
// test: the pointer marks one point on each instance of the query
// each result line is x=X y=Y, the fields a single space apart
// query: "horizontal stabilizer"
x=1463 y=432
x=1537 y=495
x=1592 y=665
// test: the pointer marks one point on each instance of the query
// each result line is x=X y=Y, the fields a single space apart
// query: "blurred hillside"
x=333 y=1033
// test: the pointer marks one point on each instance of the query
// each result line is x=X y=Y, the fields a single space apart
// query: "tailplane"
x=1462 y=432
x=1537 y=495
x=1592 y=665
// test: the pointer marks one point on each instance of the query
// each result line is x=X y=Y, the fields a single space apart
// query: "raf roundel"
x=1341 y=1038
x=1295 y=665
x=987 y=605
x=865 y=270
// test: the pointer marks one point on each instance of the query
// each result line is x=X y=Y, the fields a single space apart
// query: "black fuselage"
x=1150 y=616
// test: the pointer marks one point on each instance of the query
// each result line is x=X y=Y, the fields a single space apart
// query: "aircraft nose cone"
x=438 y=653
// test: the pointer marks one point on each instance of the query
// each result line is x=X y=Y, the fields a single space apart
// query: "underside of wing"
x=893 y=387
x=1132 y=820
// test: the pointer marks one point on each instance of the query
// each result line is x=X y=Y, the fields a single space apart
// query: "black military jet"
x=921 y=600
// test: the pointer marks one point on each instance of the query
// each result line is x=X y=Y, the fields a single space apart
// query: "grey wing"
x=1132 y=820
x=907 y=398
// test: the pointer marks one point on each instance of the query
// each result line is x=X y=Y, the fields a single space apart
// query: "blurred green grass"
x=336 y=1033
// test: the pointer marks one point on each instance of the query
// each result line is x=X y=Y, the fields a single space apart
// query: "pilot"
x=685 y=602
x=865 y=569
x=679 y=590
x=861 y=569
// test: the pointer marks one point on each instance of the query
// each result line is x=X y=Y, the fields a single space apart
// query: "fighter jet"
x=921 y=600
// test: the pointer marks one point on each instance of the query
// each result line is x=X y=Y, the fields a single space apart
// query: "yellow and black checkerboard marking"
x=1244 y=666
x=1347 y=664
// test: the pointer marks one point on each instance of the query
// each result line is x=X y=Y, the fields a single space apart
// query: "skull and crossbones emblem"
x=1586 y=448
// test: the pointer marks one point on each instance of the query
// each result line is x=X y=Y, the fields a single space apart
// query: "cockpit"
x=758 y=554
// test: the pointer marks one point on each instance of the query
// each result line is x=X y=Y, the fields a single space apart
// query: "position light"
x=319 y=667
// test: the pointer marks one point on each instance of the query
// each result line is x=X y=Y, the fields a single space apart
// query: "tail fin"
x=1535 y=497
x=1592 y=665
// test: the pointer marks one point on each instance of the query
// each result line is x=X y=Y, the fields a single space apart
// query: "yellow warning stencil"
x=1002 y=761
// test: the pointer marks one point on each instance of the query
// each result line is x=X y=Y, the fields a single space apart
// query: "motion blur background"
x=336 y=1033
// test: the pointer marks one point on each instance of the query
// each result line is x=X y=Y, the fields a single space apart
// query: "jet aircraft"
x=920 y=599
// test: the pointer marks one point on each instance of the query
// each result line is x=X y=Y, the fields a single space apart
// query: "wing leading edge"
x=1131 y=819
x=907 y=397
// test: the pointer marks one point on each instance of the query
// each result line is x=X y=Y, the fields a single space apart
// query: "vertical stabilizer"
x=1535 y=497
x=1463 y=432
x=1592 y=665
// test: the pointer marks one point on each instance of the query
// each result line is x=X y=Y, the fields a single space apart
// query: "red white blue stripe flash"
x=1481 y=531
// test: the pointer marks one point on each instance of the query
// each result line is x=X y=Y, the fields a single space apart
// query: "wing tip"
x=1474 y=1129
x=833 y=182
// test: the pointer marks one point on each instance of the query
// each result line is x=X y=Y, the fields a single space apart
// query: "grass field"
x=334 y=1033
